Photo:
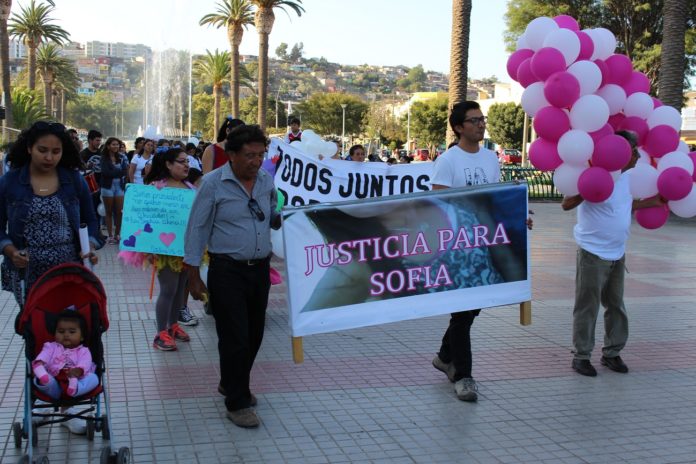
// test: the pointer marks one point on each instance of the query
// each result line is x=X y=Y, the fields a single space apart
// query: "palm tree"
x=263 y=21
x=672 y=56
x=5 y=8
x=49 y=62
x=33 y=26
x=459 y=55
x=27 y=107
x=214 y=69
x=236 y=15
x=65 y=85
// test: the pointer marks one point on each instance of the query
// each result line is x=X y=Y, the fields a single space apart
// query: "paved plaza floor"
x=371 y=394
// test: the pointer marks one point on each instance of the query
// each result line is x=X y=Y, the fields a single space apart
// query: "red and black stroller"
x=65 y=285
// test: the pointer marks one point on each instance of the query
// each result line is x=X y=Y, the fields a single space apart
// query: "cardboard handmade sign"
x=154 y=220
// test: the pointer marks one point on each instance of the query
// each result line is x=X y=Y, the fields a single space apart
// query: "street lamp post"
x=276 y=105
x=408 y=129
x=343 y=132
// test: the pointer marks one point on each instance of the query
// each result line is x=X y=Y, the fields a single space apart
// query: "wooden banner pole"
x=297 y=351
x=526 y=313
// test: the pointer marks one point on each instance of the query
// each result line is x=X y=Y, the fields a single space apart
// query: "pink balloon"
x=516 y=59
x=692 y=155
x=567 y=22
x=547 y=61
x=562 y=89
x=661 y=140
x=616 y=120
x=611 y=152
x=637 y=125
x=657 y=103
x=595 y=184
x=543 y=154
x=586 y=46
x=638 y=82
x=601 y=133
x=620 y=69
x=551 y=123
x=605 y=72
x=525 y=76
x=652 y=218
x=674 y=183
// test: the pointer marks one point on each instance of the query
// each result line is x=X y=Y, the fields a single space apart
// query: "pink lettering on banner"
x=398 y=280
x=398 y=246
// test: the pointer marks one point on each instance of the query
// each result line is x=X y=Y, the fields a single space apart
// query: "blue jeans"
x=84 y=385
x=114 y=191
x=599 y=281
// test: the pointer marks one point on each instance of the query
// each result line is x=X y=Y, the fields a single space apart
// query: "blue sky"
x=378 y=32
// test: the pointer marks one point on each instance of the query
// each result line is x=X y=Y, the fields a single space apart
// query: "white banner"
x=307 y=180
x=382 y=260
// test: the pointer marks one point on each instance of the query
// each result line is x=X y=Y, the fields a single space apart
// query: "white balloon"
x=589 y=113
x=566 y=42
x=537 y=30
x=643 y=181
x=615 y=96
x=329 y=149
x=277 y=243
x=565 y=178
x=676 y=159
x=683 y=147
x=667 y=116
x=575 y=148
x=615 y=175
x=643 y=157
x=587 y=73
x=533 y=98
x=604 y=43
x=686 y=207
x=639 y=105
x=309 y=134
x=522 y=42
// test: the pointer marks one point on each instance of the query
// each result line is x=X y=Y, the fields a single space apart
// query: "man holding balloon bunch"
x=601 y=233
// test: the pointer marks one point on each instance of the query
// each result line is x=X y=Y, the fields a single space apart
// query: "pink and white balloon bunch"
x=579 y=93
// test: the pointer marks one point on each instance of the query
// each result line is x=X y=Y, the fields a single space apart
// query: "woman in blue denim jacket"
x=43 y=202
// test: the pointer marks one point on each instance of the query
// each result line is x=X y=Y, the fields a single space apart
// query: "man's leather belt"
x=239 y=262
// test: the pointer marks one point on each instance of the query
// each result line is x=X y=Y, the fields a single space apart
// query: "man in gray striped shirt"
x=232 y=215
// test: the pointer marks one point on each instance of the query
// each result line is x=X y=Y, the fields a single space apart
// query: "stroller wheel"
x=42 y=460
x=123 y=456
x=106 y=433
x=90 y=429
x=105 y=457
x=17 y=432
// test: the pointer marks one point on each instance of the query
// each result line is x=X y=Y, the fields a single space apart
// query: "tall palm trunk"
x=5 y=7
x=672 y=57
x=234 y=34
x=217 y=90
x=62 y=106
x=459 y=56
x=31 y=46
x=264 y=19
x=47 y=77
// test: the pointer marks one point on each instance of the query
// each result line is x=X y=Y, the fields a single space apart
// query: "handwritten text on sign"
x=154 y=220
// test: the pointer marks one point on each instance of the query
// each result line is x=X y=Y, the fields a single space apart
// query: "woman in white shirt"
x=142 y=159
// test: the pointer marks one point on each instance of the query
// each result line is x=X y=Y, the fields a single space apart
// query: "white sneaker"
x=76 y=426
x=466 y=389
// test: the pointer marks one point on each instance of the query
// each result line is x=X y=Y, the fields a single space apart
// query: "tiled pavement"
x=371 y=395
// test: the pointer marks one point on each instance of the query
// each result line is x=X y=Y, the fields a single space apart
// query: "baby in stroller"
x=65 y=365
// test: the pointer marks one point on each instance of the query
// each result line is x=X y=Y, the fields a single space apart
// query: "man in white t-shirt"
x=465 y=163
x=601 y=234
